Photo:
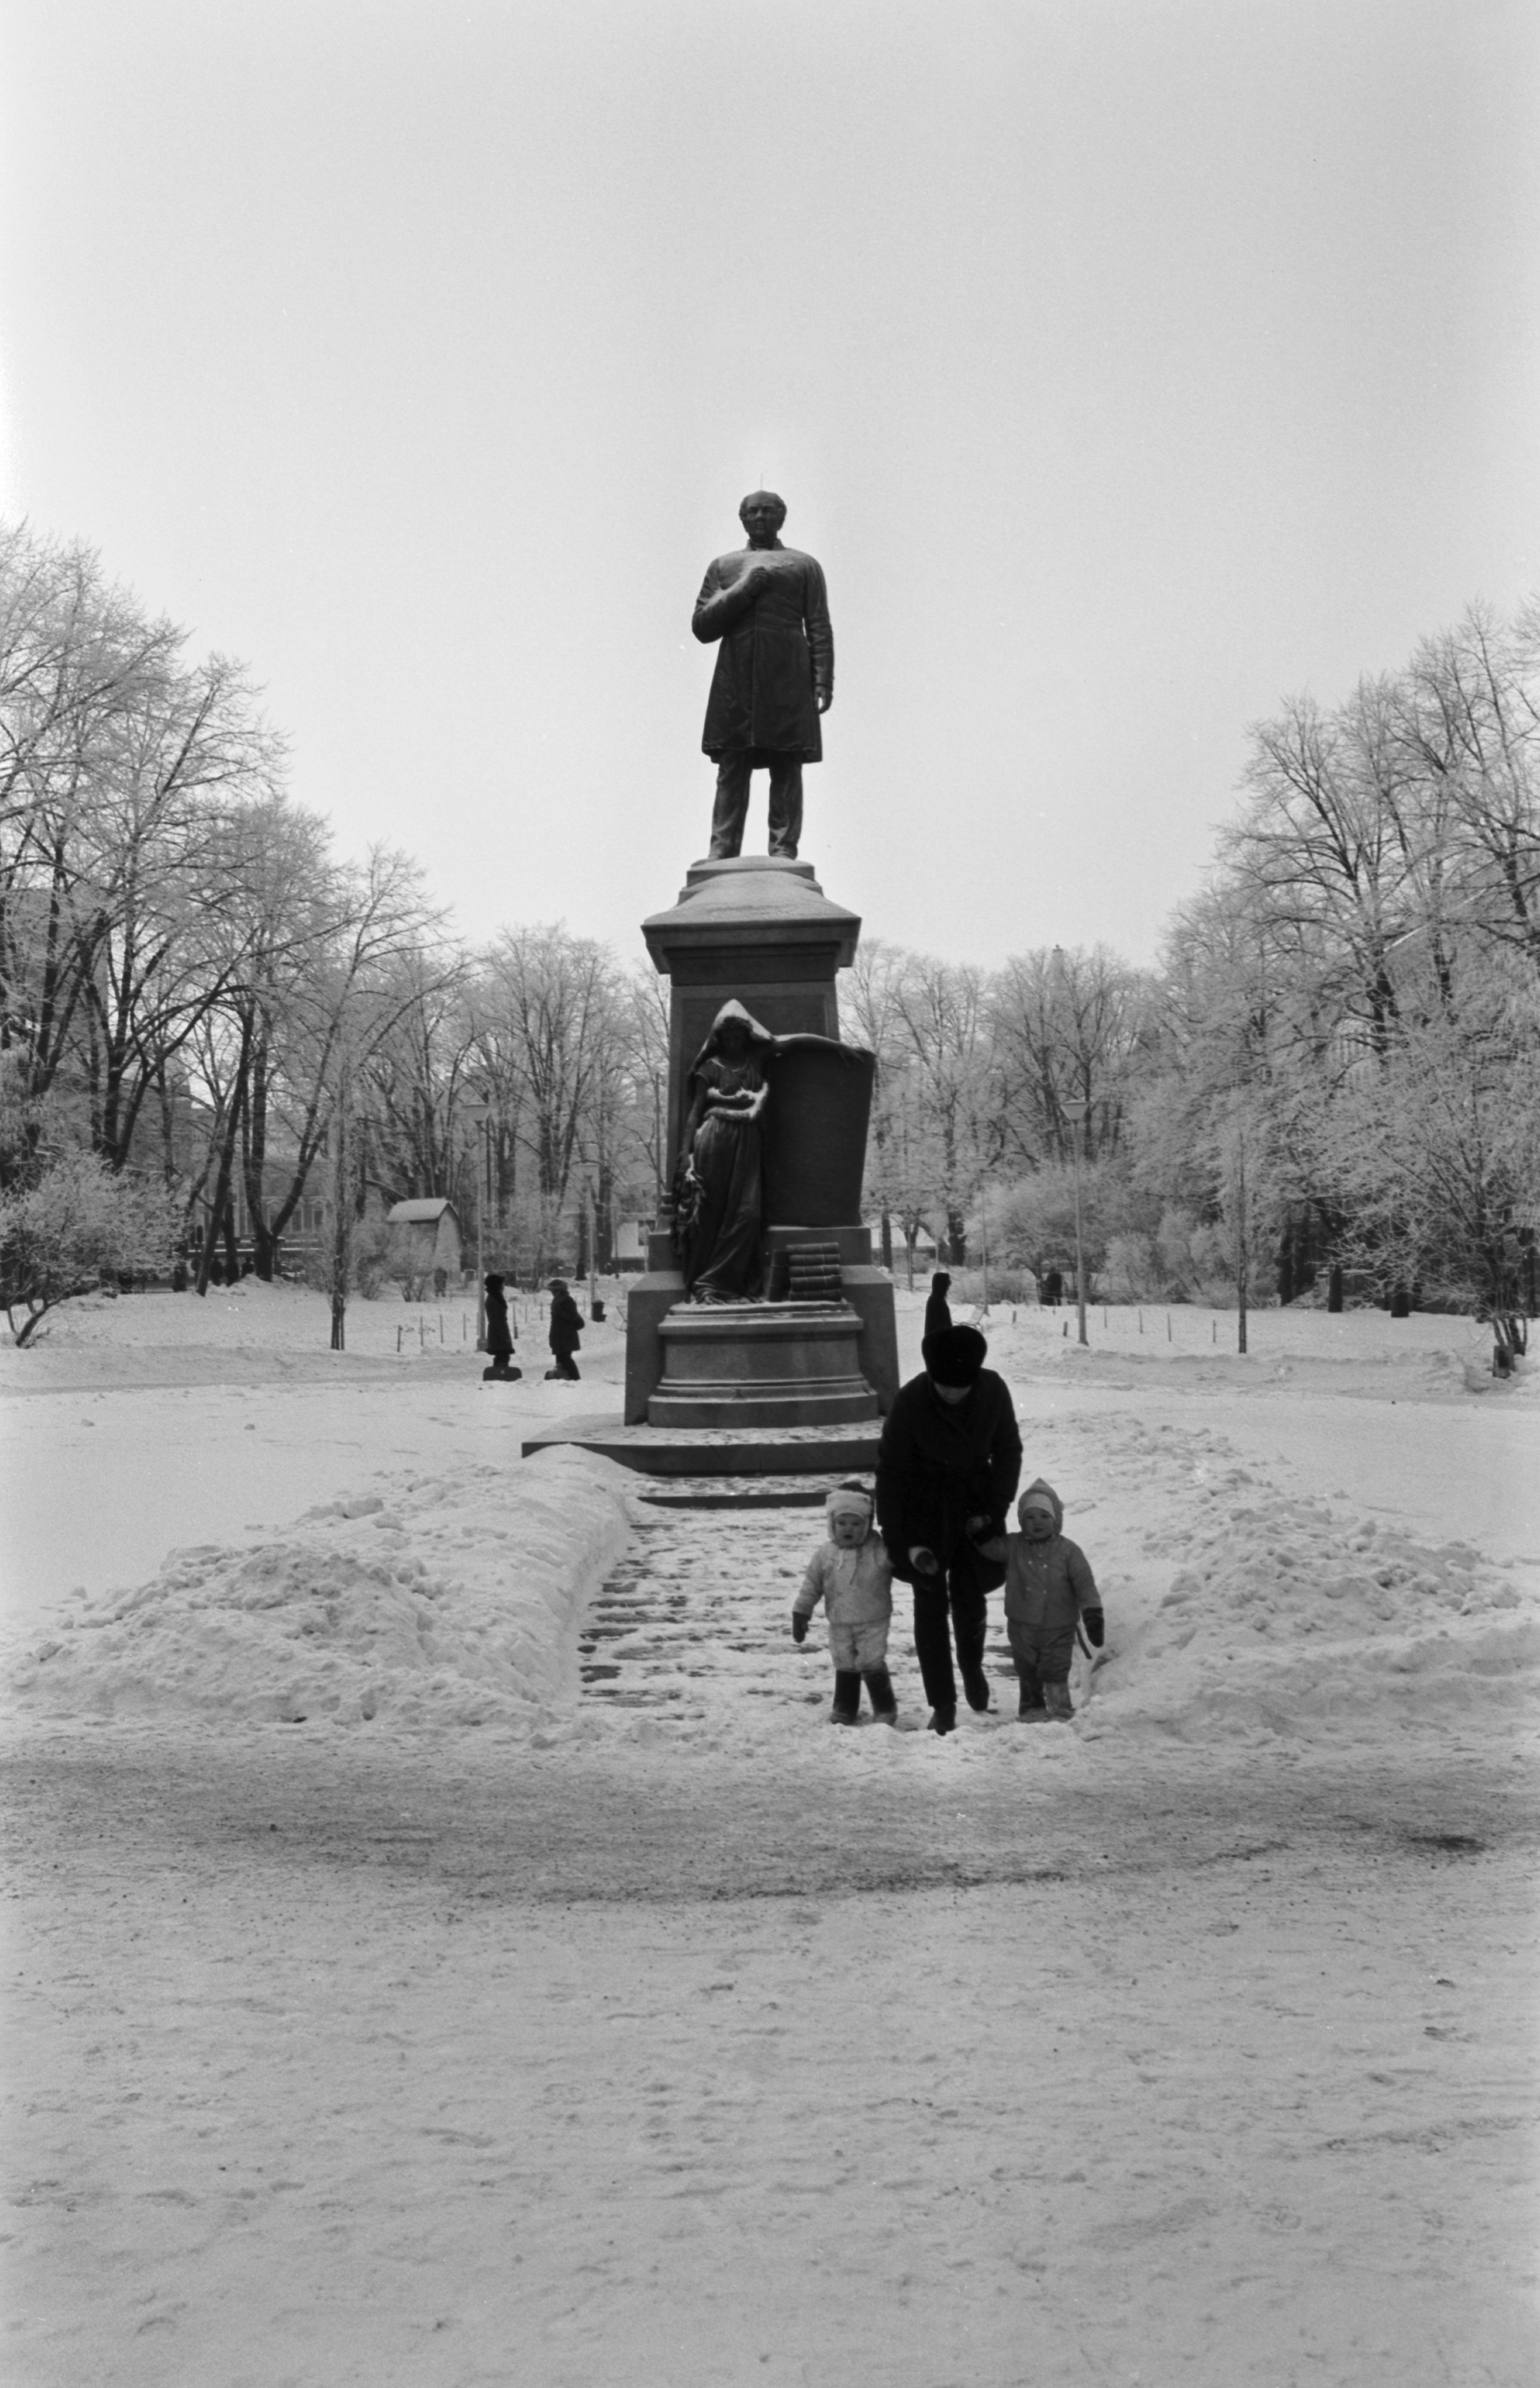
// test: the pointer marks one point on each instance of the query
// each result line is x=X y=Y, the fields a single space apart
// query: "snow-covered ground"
x=456 y=1949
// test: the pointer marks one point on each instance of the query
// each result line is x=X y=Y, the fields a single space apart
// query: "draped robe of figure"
x=718 y=1224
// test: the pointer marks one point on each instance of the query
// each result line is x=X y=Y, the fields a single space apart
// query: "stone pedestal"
x=758 y=928
x=752 y=1364
x=867 y=1292
x=761 y=930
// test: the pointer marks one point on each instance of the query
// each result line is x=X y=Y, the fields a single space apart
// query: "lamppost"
x=1076 y=1114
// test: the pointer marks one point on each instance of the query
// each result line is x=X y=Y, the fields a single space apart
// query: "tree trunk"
x=604 y=1222
x=220 y=1205
x=342 y=1220
x=264 y=1243
x=1240 y=1246
x=1287 y=1267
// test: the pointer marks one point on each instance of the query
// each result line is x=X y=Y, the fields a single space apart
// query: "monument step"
x=724 y=1402
x=832 y=1451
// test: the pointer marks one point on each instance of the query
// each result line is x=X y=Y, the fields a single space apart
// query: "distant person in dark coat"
x=1053 y=1289
x=566 y=1326
x=938 y=1310
x=499 y=1335
x=947 y=1467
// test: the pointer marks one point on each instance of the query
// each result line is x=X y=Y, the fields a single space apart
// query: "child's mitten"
x=799 y=1626
x=1095 y=1624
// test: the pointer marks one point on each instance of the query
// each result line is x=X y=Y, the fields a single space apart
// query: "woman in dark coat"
x=947 y=1468
x=566 y=1326
x=938 y=1310
x=499 y=1335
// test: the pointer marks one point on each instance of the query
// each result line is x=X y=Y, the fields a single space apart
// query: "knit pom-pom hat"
x=955 y=1356
x=849 y=1501
x=1041 y=1494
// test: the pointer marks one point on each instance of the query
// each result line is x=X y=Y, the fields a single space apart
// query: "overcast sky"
x=1125 y=366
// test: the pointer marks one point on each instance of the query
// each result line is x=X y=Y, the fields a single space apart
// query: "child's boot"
x=1030 y=1707
x=1059 y=1704
x=847 y=1697
x=879 y=1691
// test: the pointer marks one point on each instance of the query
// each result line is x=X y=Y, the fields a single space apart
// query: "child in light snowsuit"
x=1049 y=1590
x=853 y=1576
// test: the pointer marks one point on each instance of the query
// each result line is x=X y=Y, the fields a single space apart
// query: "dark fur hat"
x=955 y=1356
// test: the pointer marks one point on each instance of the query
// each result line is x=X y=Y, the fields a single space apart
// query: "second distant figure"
x=566 y=1327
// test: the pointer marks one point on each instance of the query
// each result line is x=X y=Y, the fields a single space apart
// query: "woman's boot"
x=976 y=1684
x=847 y=1697
x=879 y=1691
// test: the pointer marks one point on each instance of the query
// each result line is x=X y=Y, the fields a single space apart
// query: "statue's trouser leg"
x=785 y=805
x=731 y=809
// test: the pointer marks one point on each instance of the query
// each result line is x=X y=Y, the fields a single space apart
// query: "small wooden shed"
x=430 y=1228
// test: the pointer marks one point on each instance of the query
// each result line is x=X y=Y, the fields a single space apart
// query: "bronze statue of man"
x=774 y=675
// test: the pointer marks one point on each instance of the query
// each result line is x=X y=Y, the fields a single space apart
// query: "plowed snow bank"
x=1295 y=1617
x=455 y=1602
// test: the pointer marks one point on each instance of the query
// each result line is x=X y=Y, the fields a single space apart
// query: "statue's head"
x=761 y=514
x=735 y=1031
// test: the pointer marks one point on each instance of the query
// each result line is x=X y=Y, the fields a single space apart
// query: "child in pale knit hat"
x=1050 y=1593
x=853 y=1575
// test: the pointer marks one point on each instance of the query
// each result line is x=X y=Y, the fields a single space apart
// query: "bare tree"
x=872 y=1000
x=1469 y=720
x=1066 y=1026
x=418 y=1075
x=86 y=676
x=557 y=1004
x=941 y=1012
x=1331 y=849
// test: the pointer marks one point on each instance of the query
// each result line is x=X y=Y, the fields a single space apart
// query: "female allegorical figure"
x=719 y=1200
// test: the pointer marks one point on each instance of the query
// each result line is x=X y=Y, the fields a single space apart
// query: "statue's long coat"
x=777 y=655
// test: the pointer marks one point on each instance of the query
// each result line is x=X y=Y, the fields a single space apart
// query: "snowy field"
x=451 y=1948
